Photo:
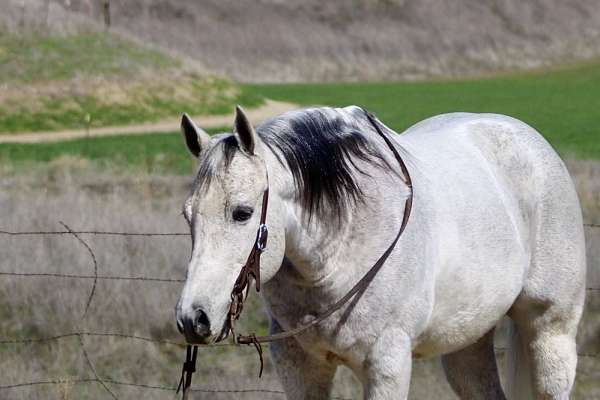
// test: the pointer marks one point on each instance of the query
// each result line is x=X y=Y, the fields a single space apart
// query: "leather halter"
x=252 y=266
x=251 y=269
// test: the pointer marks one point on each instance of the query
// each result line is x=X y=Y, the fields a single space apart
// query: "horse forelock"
x=218 y=156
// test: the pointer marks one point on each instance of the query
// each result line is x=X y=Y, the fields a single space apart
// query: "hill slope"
x=97 y=79
x=315 y=40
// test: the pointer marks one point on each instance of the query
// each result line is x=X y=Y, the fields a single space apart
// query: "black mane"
x=319 y=150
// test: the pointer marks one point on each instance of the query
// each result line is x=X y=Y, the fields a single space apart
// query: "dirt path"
x=269 y=109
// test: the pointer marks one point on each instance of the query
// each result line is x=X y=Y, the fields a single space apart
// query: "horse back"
x=498 y=199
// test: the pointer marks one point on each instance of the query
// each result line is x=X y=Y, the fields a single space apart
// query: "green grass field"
x=71 y=82
x=35 y=58
x=562 y=104
x=163 y=153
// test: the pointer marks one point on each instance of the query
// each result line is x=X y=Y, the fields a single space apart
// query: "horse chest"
x=339 y=337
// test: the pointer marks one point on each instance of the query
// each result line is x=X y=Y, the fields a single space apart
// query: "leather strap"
x=358 y=287
x=251 y=268
x=189 y=367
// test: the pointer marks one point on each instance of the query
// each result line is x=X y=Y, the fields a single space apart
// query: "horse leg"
x=472 y=371
x=302 y=375
x=549 y=308
x=548 y=341
x=387 y=367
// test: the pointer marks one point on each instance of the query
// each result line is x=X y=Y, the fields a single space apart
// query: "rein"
x=251 y=269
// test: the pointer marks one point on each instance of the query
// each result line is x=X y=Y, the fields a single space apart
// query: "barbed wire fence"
x=81 y=333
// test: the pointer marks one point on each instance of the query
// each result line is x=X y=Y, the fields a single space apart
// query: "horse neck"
x=318 y=248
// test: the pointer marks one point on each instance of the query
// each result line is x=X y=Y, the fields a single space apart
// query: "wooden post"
x=22 y=21
x=88 y=121
x=47 y=15
x=106 y=8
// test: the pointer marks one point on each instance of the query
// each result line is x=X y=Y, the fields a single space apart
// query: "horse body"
x=495 y=229
x=480 y=218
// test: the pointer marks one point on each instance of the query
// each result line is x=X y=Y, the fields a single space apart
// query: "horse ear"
x=195 y=138
x=244 y=132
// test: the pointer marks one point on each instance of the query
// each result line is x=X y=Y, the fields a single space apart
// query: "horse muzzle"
x=194 y=325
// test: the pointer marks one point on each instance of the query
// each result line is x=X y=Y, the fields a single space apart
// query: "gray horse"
x=495 y=230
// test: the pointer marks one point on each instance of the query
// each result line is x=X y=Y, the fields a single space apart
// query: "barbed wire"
x=97 y=233
x=93 y=256
x=148 y=386
x=115 y=277
x=105 y=334
x=105 y=382
x=86 y=356
x=92 y=368
x=112 y=233
x=81 y=334
x=133 y=384
x=138 y=385
x=99 y=277
x=121 y=233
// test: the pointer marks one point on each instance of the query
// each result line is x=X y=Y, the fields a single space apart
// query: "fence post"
x=22 y=20
x=106 y=10
x=47 y=15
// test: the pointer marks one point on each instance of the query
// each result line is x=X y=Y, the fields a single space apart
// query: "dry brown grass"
x=84 y=198
x=171 y=85
x=40 y=307
x=300 y=40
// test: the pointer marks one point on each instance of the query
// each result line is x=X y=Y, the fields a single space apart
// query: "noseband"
x=251 y=269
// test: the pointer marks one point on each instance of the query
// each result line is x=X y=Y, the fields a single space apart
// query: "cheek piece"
x=251 y=269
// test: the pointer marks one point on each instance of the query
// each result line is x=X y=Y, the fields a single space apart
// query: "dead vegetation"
x=52 y=81
x=83 y=197
x=312 y=40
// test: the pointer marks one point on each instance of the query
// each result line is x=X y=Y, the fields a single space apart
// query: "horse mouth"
x=224 y=331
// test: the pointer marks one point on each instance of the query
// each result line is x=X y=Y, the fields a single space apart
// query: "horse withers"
x=495 y=230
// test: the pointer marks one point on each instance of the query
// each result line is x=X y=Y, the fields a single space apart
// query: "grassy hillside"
x=36 y=58
x=157 y=153
x=131 y=202
x=315 y=40
x=564 y=105
x=96 y=79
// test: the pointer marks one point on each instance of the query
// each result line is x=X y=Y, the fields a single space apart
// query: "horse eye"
x=241 y=214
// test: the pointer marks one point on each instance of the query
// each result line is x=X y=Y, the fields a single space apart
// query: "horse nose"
x=194 y=325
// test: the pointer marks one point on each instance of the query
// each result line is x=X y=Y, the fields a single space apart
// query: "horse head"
x=224 y=212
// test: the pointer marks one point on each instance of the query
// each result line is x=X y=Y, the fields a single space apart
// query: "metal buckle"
x=261 y=237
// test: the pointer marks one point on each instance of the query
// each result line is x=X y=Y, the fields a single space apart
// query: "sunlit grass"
x=563 y=104
x=92 y=80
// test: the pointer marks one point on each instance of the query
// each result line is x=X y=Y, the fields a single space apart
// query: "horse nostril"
x=194 y=325
x=202 y=322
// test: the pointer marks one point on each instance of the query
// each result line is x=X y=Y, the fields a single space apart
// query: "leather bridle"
x=251 y=270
